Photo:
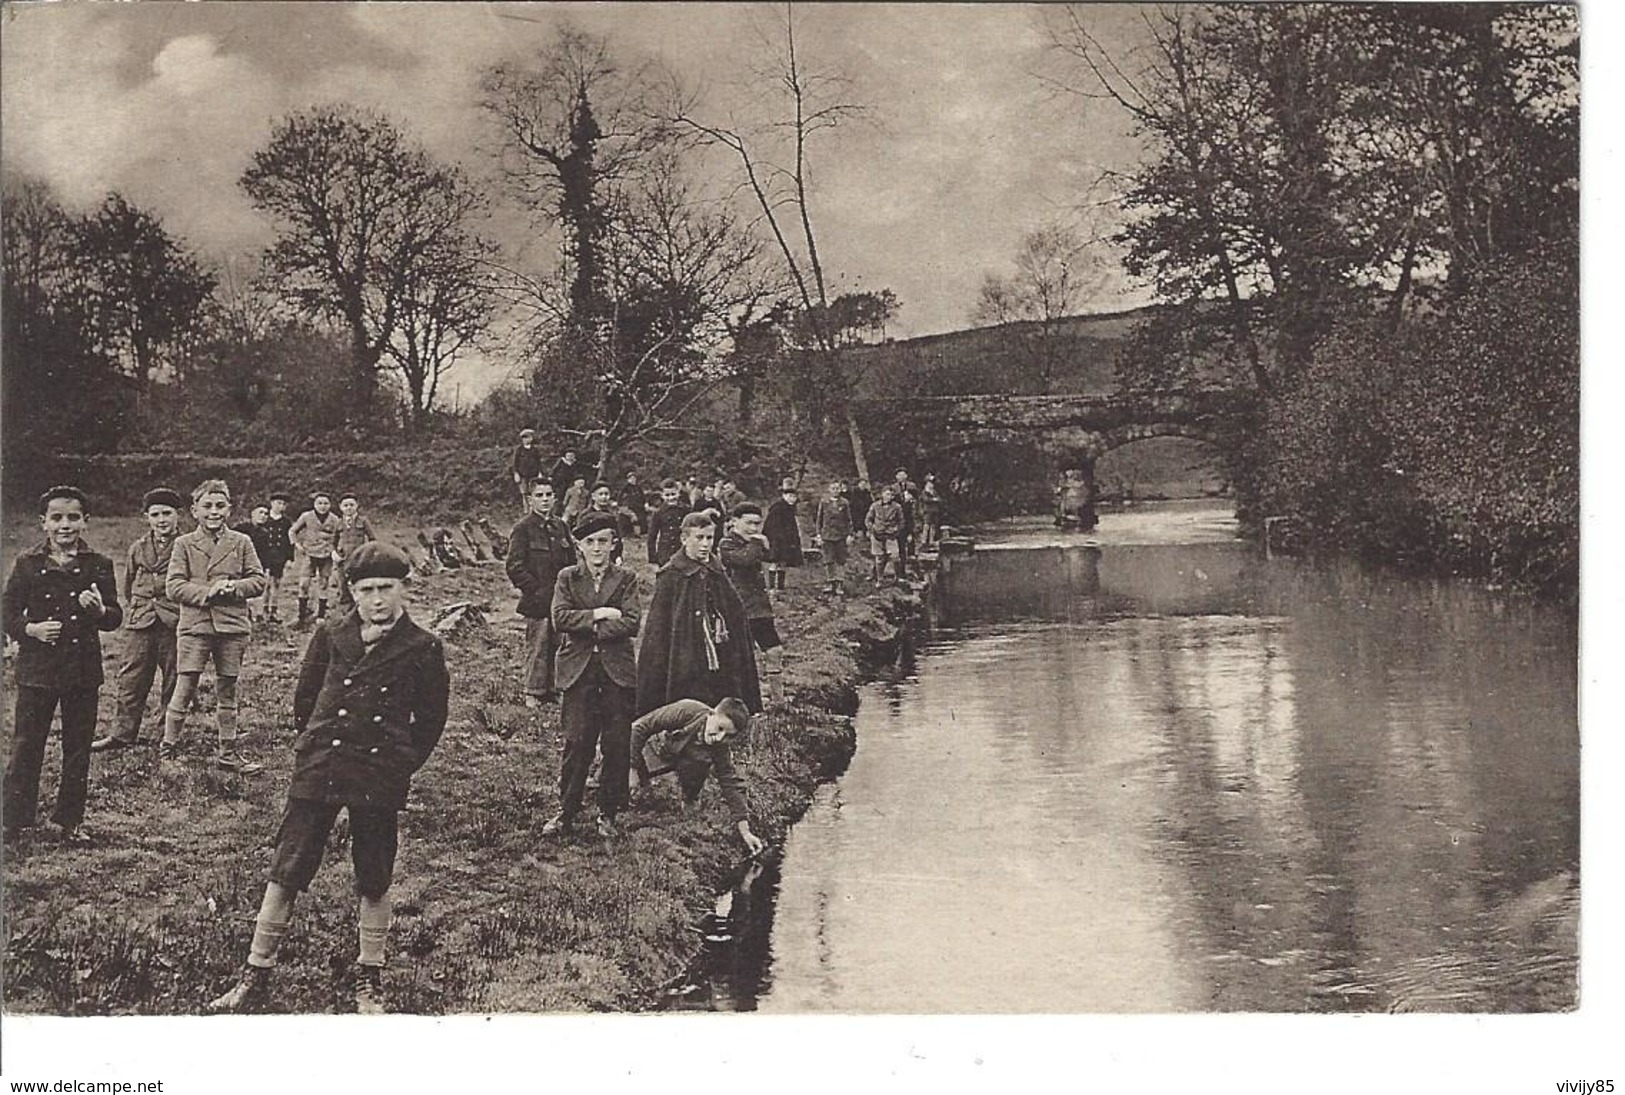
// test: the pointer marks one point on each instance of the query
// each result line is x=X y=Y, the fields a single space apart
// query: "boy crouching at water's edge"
x=694 y=739
x=369 y=709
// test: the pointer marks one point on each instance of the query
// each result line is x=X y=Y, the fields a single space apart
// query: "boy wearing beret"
x=59 y=596
x=595 y=614
x=149 y=620
x=369 y=709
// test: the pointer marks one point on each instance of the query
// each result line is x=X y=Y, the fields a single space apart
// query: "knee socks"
x=270 y=925
x=225 y=710
x=175 y=713
x=372 y=920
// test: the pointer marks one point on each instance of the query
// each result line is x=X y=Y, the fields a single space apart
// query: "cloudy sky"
x=964 y=151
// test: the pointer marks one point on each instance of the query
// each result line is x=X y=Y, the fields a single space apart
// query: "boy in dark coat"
x=666 y=523
x=278 y=552
x=742 y=553
x=632 y=499
x=149 y=620
x=782 y=528
x=525 y=464
x=58 y=599
x=538 y=549
x=696 y=641
x=595 y=612
x=694 y=740
x=369 y=709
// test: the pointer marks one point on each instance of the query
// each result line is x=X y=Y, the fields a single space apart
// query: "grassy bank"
x=155 y=916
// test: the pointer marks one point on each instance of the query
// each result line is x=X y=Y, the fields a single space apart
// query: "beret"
x=746 y=509
x=376 y=560
x=161 y=496
x=594 y=522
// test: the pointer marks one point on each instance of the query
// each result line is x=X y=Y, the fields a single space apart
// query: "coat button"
x=378 y=718
x=344 y=711
x=374 y=749
x=383 y=688
x=337 y=743
x=347 y=680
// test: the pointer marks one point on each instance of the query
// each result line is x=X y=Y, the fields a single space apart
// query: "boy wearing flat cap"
x=595 y=614
x=369 y=709
x=149 y=620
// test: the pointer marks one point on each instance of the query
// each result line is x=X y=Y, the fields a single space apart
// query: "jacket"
x=525 y=463
x=742 y=559
x=146 y=569
x=316 y=536
x=367 y=720
x=352 y=534
x=885 y=520
x=783 y=531
x=670 y=736
x=199 y=561
x=278 y=548
x=538 y=548
x=834 y=519
x=580 y=636
x=695 y=632
x=666 y=532
x=38 y=590
x=260 y=536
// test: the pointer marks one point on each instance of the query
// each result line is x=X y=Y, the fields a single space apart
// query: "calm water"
x=1162 y=774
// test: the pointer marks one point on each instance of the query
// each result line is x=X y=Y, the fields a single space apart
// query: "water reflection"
x=1190 y=779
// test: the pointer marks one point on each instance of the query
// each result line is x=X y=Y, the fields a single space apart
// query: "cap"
x=161 y=496
x=594 y=522
x=375 y=559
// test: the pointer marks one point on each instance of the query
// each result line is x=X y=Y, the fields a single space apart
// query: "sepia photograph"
x=536 y=514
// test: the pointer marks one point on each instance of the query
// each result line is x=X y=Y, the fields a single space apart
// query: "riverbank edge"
x=855 y=643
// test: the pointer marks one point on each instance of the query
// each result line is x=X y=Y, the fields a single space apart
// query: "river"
x=1154 y=772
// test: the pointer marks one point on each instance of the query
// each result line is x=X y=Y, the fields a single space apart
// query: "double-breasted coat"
x=198 y=561
x=538 y=549
x=782 y=527
x=367 y=719
x=37 y=591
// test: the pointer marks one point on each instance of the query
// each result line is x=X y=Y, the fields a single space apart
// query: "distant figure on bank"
x=632 y=499
x=930 y=512
x=258 y=530
x=860 y=500
x=315 y=536
x=576 y=500
x=149 y=620
x=666 y=522
x=524 y=465
x=833 y=520
x=884 y=523
x=595 y=612
x=696 y=641
x=742 y=552
x=213 y=574
x=368 y=710
x=782 y=527
x=694 y=740
x=539 y=548
x=565 y=472
x=354 y=530
x=58 y=599
x=279 y=551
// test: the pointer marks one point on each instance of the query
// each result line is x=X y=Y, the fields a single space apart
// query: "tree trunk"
x=860 y=458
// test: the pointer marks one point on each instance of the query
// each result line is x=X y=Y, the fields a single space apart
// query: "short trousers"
x=764 y=633
x=835 y=551
x=882 y=546
x=302 y=837
x=276 y=568
x=192 y=653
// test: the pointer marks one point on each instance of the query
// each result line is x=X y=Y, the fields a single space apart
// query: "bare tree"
x=363 y=215
x=774 y=160
x=1056 y=270
x=445 y=306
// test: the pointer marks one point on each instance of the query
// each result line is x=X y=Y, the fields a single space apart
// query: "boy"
x=59 y=596
x=884 y=523
x=257 y=529
x=693 y=740
x=742 y=553
x=538 y=549
x=525 y=464
x=834 y=523
x=596 y=613
x=315 y=534
x=369 y=708
x=576 y=500
x=665 y=522
x=354 y=530
x=279 y=552
x=213 y=573
x=149 y=620
x=782 y=527
x=633 y=501
x=602 y=502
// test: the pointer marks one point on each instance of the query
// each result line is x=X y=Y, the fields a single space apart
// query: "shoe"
x=249 y=992
x=558 y=825
x=109 y=743
x=231 y=762
x=168 y=750
x=369 y=990
x=607 y=827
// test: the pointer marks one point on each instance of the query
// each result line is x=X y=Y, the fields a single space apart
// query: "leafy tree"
x=365 y=219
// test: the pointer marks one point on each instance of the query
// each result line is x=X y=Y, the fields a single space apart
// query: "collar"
x=686 y=566
x=43 y=548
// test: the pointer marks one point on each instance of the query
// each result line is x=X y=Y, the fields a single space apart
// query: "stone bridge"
x=1079 y=429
